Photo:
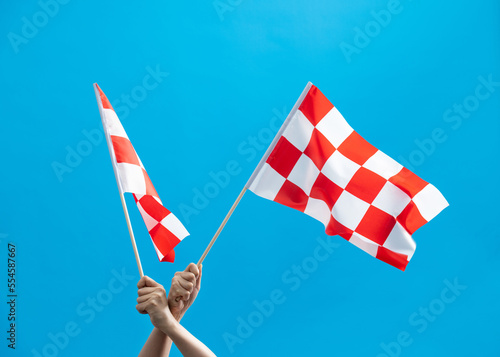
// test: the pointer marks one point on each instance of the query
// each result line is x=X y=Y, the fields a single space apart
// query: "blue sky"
x=198 y=86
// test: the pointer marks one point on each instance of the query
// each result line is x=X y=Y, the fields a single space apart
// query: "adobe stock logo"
x=454 y=117
x=31 y=26
x=223 y=6
x=364 y=36
x=292 y=279
x=87 y=312
x=248 y=151
x=423 y=318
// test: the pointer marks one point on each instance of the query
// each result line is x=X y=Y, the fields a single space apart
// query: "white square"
x=299 y=131
x=391 y=199
x=131 y=178
x=175 y=226
x=304 y=174
x=349 y=210
x=340 y=169
x=150 y=221
x=430 y=202
x=334 y=127
x=267 y=183
x=383 y=165
x=364 y=244
x=400 y=241
x=319 y=210
x=113 y=125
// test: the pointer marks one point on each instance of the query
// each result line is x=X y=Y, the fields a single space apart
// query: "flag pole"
x=257 y=169
x=120 y=189
x=221 y=227
x=131 y=233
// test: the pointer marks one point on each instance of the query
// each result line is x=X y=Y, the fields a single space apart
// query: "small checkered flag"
x=319 y=165
x=165 y=230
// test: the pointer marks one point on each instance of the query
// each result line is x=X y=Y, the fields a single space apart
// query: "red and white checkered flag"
x=319 y=165
x=165 y=229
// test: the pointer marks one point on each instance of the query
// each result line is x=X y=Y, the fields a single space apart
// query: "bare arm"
x=165 y=314
x=189 y=345
x=157 y=345
x=183 y=291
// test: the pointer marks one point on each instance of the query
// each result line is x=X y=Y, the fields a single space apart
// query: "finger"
x=178 y=291
x=147 y=281
x=186 y=280
x=152 y=295
x=142 y=282
x=193 y=268
x=142 y=307
x=142 y=299
x=189 y=276
x=147 y=290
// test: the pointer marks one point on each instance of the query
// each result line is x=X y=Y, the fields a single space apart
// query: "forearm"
x=157 y=345
x=187 y=344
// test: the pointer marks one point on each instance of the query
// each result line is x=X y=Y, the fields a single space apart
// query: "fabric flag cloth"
x=165 y=229
x=319 y=165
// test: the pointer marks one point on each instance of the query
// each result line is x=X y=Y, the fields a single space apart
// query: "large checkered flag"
x=319 y=165
x=165 y=230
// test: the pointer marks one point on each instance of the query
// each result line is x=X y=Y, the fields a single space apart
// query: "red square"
x=408 y=182
x=319 y=149
x=357 y=149
x=397 y=260
x=150 y=189
x=284 y=157
x=335 y=228
x=163 y=239
x=104 y=100
x=169 y=257
x=315 y=105
x=365 y=185
x=153 y=208
x=410 y=218
x=124 y=151
x=292 y=196
x=325 y=190
x=376 y=225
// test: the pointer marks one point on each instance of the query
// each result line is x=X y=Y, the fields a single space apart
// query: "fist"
x=184 y=289
x=152 y=300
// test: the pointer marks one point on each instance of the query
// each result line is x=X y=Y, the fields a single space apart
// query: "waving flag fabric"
x=320 y=166
x=165 y=229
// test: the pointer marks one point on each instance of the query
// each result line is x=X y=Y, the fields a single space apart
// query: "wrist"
x=170 y=326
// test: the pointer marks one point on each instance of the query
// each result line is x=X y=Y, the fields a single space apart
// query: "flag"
x=165 y=230
x=319 y=165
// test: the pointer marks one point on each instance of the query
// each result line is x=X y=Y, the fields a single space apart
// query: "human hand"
x=152 y=300
x=184 y=290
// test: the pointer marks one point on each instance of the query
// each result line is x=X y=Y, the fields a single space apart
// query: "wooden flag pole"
x=222 y=225
x=131 y=233
x=257 y=169
x=120 y=189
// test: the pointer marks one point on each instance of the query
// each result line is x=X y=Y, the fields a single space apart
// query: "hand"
x=152 y=300
x=184 y=290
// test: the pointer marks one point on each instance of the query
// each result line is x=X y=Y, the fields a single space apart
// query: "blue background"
x=230 y=71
